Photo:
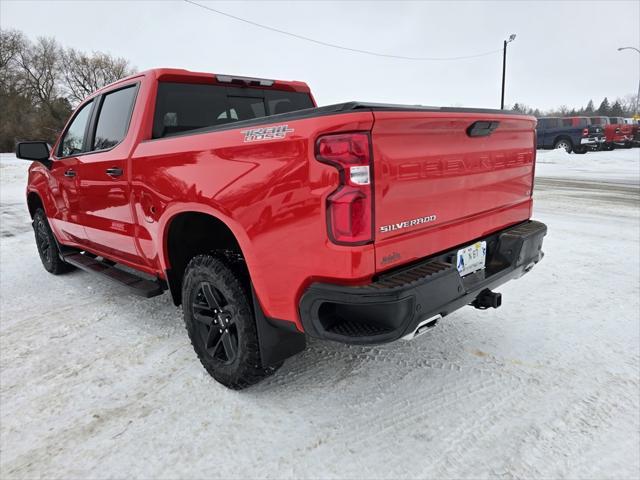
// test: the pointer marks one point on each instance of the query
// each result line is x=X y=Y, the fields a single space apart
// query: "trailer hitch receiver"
x=487 y=299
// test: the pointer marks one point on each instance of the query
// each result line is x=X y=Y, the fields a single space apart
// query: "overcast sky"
x=564 y=53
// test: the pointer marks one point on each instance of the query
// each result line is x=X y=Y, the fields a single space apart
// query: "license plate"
x=472 y=258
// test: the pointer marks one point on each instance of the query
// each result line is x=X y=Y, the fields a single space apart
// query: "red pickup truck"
x=617 y=133
x=268 y=218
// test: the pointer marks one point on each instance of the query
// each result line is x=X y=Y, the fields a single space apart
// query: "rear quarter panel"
x=270 y=193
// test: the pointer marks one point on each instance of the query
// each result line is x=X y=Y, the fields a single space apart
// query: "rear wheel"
x=580 y=150
x=47 y=245
x=219 y=319
x=564 y=144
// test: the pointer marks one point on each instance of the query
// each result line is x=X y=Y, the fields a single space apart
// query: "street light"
x=638 y=96
x=512 y=37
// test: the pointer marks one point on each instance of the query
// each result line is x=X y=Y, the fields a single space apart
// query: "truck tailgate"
x=437 y=186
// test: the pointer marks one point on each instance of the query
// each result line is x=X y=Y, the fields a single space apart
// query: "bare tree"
x=628 y=103
x=83 y=74
x=40 y=66
x=11 y=43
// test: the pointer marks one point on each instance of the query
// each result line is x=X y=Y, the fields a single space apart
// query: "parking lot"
x=95 y=383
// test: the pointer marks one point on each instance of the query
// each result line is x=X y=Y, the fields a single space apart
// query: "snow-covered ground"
x=95 y=383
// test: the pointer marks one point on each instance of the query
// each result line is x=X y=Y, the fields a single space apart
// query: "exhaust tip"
x=423 y=327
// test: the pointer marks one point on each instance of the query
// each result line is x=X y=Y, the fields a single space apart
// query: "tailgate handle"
x=482 y=128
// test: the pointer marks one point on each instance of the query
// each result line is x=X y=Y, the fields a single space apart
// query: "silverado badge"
x=408 y=223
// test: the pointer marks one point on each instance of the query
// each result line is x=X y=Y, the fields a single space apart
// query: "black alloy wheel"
x=216 y=323
x=218 y=314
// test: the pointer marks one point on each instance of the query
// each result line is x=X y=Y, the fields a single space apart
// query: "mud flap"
x=276 y=343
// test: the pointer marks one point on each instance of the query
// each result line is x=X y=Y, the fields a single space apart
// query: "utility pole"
x=512 y=37
x=638 y=96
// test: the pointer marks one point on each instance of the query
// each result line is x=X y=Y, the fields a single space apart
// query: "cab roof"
x=187 y=76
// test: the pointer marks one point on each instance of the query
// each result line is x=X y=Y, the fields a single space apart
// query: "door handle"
x=70 y=173
x=114 y=171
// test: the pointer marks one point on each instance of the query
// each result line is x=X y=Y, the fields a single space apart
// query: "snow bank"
x=617 y=166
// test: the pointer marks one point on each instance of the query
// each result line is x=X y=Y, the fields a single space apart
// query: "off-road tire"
x=47 y=245
x=206 y=275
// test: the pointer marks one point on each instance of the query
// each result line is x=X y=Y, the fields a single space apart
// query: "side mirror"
x=36 y=151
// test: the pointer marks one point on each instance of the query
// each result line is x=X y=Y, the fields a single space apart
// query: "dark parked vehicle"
x=574 y=134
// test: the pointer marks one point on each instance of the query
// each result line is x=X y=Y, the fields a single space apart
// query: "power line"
x=333 y=45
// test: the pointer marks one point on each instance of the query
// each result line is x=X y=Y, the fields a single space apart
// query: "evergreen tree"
x=617 y=110
x=604 y=109
x=589 y=109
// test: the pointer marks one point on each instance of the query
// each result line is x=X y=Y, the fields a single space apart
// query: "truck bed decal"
x=266 y=133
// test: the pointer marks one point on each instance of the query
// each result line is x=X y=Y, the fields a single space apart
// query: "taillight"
x=350 y=206
x=585 y=132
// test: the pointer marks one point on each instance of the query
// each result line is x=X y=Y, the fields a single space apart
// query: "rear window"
x=181 y=107
x=599 y=121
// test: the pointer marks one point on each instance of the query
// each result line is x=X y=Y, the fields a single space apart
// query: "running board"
x=136 y=284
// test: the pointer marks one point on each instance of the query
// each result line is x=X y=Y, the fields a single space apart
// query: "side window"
x=73 y=139
x=114 y=117
x=566 y=122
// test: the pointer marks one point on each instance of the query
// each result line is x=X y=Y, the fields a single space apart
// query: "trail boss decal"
x=409 y=223
x=266 y=133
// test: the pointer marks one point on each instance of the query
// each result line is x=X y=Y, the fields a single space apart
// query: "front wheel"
x=47 y=245
x=564 y=144
x=219 y=319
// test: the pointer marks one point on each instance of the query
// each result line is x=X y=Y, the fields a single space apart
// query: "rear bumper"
x=592 y=141
x=397 y=302
x=622 y=140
